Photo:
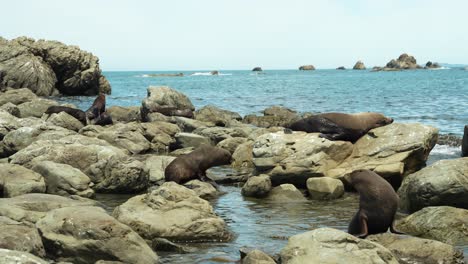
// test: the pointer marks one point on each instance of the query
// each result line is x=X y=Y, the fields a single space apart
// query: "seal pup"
x=341 y=126
x=76 y=113
x=378 y=203
x=97 y=108
x=194 y=164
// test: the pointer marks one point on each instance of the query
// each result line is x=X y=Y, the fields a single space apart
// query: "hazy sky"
x=241 y=34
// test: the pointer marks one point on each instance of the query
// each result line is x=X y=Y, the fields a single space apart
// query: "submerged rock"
x=257 y=257
x=328 y=245
x=341 y=68
x=443 y=183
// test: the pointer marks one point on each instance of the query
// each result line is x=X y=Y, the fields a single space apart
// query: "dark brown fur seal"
x=102 y=120
x=194 y=164
x=97 y=108
x=76 y=113
x=378 y=203
x=341 y=126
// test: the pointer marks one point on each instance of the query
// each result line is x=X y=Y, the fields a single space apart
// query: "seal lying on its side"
x=341 y=126
x=194 y=164
x=76 y=113
x=378 y=203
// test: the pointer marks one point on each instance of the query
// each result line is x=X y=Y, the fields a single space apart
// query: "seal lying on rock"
x=194 y=164
x=76 y=113
x=378 y=203
x=97 y=108
x=103 y=119
x=341 y=126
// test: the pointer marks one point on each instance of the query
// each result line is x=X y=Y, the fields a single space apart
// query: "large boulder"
x=46 y=67
x=325 y=188
x=128 y=136
x=409 y=249
x=108 y=167
x=63 y=179
x=17 y=180
x=19 y=257
x=203 y=189
x=17 y=96
x=442 y=223
x=272 y=117
x=86 y=234
x=155 y=165
x=163 y=97
x=293 y=158
x=443 y=183
x=65 y=120
x=359 y=66
x=160 y=135
x=218 y=134
x=391 y=151
x=17 y=236
x=257 y=186
x=286 y=193
x=29 y=208
x=216 y=116
x=12 y=109
x=187 y=140
x=328 y=245
x=174 y=212
x=124 y=114
x=36 y=107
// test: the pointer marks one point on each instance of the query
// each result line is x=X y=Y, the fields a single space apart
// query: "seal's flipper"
x=394 y=230
x=363 y=225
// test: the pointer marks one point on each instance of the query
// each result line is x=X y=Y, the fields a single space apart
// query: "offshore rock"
x=359 y=66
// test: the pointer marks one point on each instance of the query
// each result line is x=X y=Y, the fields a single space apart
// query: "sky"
x=241 y=34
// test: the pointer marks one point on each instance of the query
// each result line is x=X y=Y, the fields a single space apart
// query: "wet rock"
x=324 y=188
x=187 y=140
x=104 y=237
x=36 y=107
x=63 y=179
x=29 y=208
x=307 y=68
x=449 y=140
x=231 y=144
x=359 y=66
x=418 y=250
x=293 y=158
x=328 y=245
x=257 y=69
x=443 y=183
x=127 y=136
x=286 y=193
x=11 y=109
x=242 y=156
x=124 y=114
x=442 y=223
x=17 y=180
x=257 y=186
x=19 y=257
x=218 y=134
x=257 y=257
x=17 y=96
x=17 y=236
x=465 y=142
x=161 y=97
x=203 y=189
x=156 y=166
x=162 y=244
x=216 y=116
x=173 y=212
x=65 y=120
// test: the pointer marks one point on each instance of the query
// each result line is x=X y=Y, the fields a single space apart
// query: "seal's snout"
x=390 y=120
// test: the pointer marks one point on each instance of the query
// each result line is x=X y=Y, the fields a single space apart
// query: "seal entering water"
x=378 y=203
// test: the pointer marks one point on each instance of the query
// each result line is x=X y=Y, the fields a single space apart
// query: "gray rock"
x=124 y=114
x=216 y=116
x=63 y=179
x=11 y=109
x=86 y=234
x=19 y=257
x=257 y=257
x=404 y=62
x=409 y=250
x=307 y=68
x=242 y=156
x=231 y=144
x=128 y=136
x=203 y=189
x=273 y=116
x=164 y=97
x=17 y=236
x=17 y=96
x=286 y=193
x=442 y=223
x=186 y=140
x=155 y=165
x=324 y=188
x=218 y=134
x=8 y=123
x=16 y=180
x=36 y=107
x=188 y=124
x=65 y=120
x=257 y=186
x=174 y=212
x=328 y=245
x=442 y=183
x=359 y=66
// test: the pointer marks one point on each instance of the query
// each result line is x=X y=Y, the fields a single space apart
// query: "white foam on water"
x=208 y=74
x=446 y=150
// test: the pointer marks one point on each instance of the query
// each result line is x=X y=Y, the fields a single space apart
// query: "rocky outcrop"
x=173 y=212
x=328 y=245
x=257 y=69
x=443 y=183
x=432 y=65
x=442 y=223
x=242 y=156
x=86 y=234
x=359 y=66
x=257 y=186
x=272 y=117
x=124 y=114
x=404 y=62
x=307 y=68
x=409 y=249
x=166 y=101
x=324 y=188
x=128 y=136
x=16 y=180
x=216 y=116
x=50 y=67
x=65 y=120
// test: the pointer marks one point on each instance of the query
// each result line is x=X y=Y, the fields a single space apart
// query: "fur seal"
x=103 y=119
x=97 y=108
x=378 y=203
x=341 y=126
x=194 y=164
x=76 y=113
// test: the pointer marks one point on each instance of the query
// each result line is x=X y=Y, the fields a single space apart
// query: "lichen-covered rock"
x=325 y=188
x=19 y=257
x=409 y=249
x=293 y=158
x=257 y=186
x=86 y=234
x=65 y=120
x=286 y=193
x=216 y=116
x=36 y=107
x=174 y=212
x=162 y=97
x=442 y=183
x=124 y=114
x=17 y=180
x=17 y=96
x=63 y=179
x=442 y=223
x=17 y=236
x=328 y=245
x=155 y=165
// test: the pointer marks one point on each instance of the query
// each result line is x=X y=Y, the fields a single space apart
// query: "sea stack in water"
x=194 y=165
x=359 y=66
x=341 y=126
x=341 y=68
x=257 y=69
x=307 y=68
x=404 y=62
x=378 y=203
x=465 y=142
